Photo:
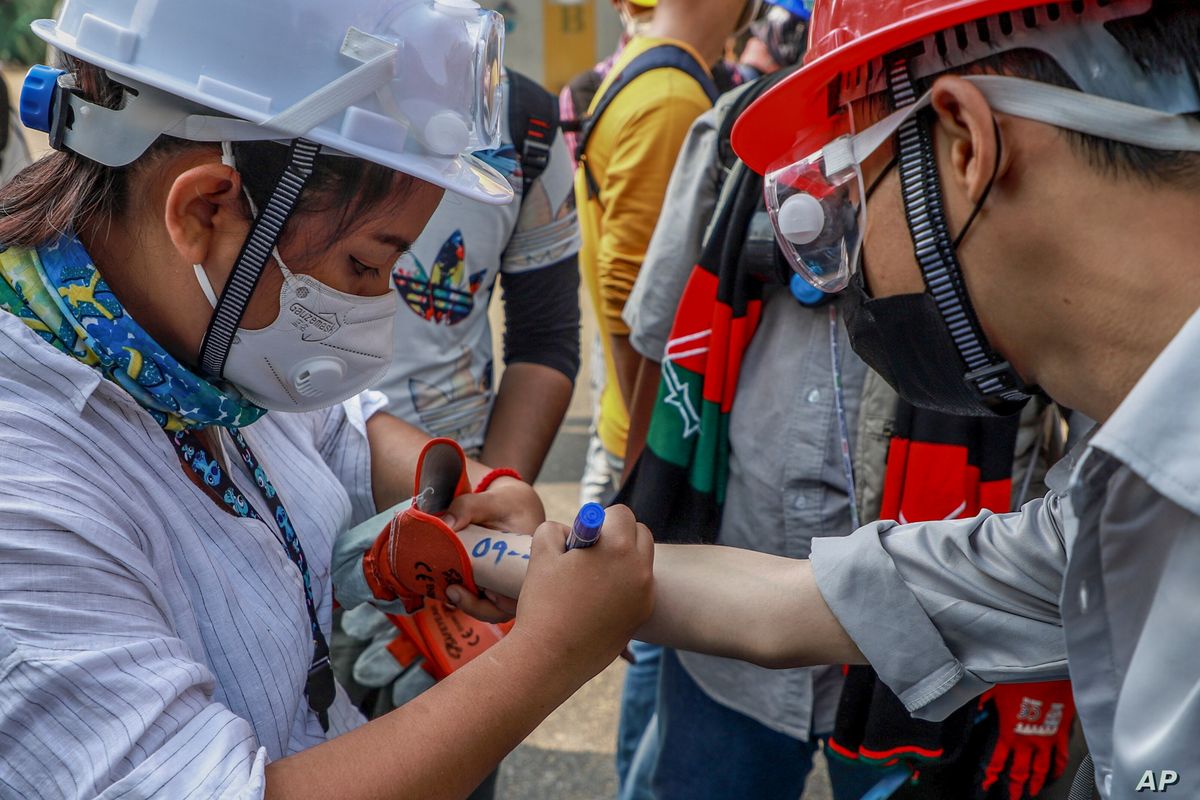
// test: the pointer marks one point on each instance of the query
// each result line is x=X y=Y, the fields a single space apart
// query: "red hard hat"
x=796 y=117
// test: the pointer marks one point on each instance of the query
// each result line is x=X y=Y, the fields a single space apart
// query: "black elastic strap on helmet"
x=264 y=236
x=986 y=371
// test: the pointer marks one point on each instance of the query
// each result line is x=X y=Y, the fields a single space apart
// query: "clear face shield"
x=489 y=60
x=818 y=204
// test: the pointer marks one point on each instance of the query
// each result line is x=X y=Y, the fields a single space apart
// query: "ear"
x=204 y=207
x=971 y=130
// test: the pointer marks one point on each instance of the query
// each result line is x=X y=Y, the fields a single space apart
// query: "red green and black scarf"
x=678 y=484
x=939 y=467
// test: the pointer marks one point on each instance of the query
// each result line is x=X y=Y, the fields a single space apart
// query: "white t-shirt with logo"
x=441 y=379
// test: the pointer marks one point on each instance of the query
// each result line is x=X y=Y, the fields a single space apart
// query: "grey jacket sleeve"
x=944 y=609
x=678 y=237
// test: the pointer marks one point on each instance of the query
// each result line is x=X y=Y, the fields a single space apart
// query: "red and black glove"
x=1035 y=729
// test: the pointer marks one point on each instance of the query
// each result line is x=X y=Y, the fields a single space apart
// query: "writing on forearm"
x=486 y=546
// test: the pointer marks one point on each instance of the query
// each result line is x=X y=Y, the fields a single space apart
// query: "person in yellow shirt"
x=629 y=152
x=638 y=120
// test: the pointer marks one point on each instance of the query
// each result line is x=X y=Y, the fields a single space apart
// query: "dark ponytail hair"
x=64 y=192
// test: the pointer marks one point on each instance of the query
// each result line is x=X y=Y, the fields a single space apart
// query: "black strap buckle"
x=536 y=155
x=321 y=689
x=62 y=116
x=1002 y=371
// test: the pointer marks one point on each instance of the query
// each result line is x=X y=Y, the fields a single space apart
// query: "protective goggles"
x=817 y=205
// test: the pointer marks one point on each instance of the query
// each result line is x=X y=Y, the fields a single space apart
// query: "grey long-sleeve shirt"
x=1098 y=581
x=779 y=497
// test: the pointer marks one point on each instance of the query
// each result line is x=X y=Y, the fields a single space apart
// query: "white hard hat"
x=413 y=85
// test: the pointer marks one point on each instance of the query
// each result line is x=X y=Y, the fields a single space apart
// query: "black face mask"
x=904 y=339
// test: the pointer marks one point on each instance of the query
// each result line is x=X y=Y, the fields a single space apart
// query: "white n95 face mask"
x=324 y=347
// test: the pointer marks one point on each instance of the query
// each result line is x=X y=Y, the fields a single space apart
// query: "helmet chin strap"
x=260 y=243
x=988 y=374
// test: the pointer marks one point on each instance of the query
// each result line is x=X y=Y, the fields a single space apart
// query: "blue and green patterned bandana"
x=57 y=291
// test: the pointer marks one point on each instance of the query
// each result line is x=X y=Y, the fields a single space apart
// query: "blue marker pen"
x=585 y=533
x=586 y=530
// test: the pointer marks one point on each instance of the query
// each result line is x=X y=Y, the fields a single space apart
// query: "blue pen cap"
x=37 y=97
x=589 y=522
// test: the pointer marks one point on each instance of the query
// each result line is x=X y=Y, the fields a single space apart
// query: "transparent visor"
x=818 y=204
x=489 y=58
x=817 y=208
x=451 y=108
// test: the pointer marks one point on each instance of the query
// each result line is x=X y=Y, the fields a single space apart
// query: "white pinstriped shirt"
x=152 y=644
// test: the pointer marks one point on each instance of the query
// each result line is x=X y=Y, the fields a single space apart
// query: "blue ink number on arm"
x=485 y=546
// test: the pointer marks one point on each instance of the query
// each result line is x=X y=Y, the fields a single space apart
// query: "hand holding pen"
x=585 y=532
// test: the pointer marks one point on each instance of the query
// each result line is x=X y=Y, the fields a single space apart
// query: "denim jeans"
x=710 y=752
x=638 y=699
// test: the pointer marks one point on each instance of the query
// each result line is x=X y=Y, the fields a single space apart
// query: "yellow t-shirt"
x=631 y=153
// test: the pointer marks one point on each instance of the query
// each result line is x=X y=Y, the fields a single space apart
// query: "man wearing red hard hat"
x=1007 y=193
x=1032 y=181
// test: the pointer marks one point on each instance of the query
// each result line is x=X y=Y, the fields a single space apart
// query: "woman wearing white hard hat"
x=211 y=241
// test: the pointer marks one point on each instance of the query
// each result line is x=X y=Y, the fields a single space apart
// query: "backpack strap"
x=533 y=122
x=758 y=254
x=749 y=95
x=582 y=89
x=667 y=56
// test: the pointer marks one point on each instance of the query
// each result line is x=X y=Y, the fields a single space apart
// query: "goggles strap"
x=989 y=374
x=260 y=243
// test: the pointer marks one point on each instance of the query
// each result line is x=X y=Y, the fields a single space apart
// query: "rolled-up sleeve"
x=342 y=440
x=945 y=609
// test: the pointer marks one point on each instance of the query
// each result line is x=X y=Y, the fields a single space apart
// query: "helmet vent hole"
x=1030 y=16
x=1052 y=12
x=1006 y=24
x=1077 y=6
x=983 y=31
x=939 y=41
x=960 y=36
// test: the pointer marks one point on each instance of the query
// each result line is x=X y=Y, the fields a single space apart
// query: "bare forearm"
x=737 y=603
x=626 y=361
x=644 y=394
x=529 y=409
x=443 y=743
x=718 y=600
x=395 y=447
